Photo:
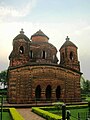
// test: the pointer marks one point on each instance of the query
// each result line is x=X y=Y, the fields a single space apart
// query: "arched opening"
x=43 y=54
x=62 y=57
x=71 y=56
x=38 y=93
x=21 y=50
x=31 y=54
x=58 y=92
x=48 y=92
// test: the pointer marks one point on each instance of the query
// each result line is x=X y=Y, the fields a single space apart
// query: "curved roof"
x=21 y=36
x=68 y=43
x=43 y=43
x=39 y=33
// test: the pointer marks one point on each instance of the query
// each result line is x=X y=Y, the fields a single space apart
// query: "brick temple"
x=34 y=73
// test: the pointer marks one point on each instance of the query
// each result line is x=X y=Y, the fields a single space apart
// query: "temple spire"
x=67 y=38
x=22 y=32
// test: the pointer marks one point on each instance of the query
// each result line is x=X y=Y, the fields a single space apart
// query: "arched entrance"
x=38 y=93
x=58 y=92
x=48 y=92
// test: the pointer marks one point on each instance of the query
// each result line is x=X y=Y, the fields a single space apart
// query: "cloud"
x=21 y=11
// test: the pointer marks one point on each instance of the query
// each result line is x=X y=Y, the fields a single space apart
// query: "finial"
x=67 y=38
x=39 y=29
x=22 y=32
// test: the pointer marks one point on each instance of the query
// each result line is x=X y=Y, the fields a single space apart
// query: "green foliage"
x=75 y=109
x=15 y=115
x=47 y=108
x=77 y=106
x=3 y=75
x=74 y=114
x=87 y=99
x=51 y=113
x=46 y=114
x=52 y=109
x=58 y=105
x=6 y=116
x=85 y=86
x=82 y=81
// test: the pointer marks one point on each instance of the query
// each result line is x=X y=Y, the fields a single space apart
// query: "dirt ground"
x=28 y=115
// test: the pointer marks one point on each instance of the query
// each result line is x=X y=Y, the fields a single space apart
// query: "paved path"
x=28 y=115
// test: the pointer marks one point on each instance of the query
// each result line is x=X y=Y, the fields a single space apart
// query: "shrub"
x=46 y=114
x=47 y=108
x=77 y=106
x=58 y=105
x=15 y=115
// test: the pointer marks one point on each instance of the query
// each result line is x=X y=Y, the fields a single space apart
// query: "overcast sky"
x=56 y=18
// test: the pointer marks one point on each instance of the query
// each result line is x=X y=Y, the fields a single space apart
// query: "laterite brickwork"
x=34 y=73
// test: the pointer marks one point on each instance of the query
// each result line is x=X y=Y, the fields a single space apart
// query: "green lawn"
x=5 y=116
x=82 y=113
x=74 y=113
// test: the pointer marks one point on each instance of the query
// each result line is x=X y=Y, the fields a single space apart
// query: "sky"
x=56 y=18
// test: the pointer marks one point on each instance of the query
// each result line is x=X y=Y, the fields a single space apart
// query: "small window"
x=71 y=56
x=62 y=57
x=43 y=54
x=21 y=50
x=53 y=57
x=31 y=54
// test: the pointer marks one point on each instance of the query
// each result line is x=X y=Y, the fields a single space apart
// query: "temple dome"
x=39 y=36
x=68 y=43
x=21 y=36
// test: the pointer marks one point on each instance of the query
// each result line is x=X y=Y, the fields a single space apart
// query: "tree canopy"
x=85 y=85
x=3 y=76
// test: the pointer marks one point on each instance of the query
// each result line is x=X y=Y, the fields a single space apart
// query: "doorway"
x=58 y=92
x=38 y=93
x=48 y=92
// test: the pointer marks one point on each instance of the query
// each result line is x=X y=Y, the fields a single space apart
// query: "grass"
x=5 y=116
x=74 y=110
x=82 y=111
x=74 y=113
x=10 y=114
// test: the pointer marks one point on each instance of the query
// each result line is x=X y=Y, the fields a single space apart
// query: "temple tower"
x=20 y=52
x=69 y=55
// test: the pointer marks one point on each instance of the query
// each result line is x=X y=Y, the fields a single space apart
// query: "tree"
x=3 y=77
x=85 y=85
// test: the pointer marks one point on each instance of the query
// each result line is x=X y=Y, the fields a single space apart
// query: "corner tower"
x=20 y=52
x=69 y=55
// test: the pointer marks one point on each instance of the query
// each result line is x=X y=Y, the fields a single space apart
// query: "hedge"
x=76 y=106
x=47 y=108
x=46 y=114
x=50 y=116
x=15 y=115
